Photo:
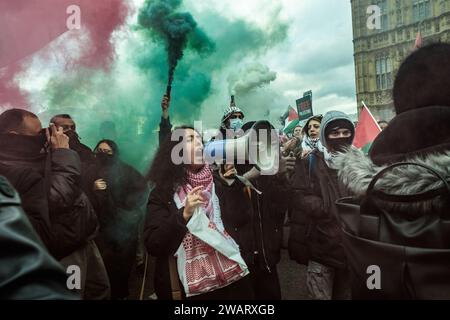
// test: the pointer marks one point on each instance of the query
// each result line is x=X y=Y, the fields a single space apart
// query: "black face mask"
x=35 y=144
x=74 y=140
x=105 y=159
x=339 y=144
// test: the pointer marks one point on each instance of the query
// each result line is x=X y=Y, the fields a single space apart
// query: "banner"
x=304 y=106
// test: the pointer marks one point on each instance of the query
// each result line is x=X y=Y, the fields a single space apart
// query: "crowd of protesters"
x=216 y=230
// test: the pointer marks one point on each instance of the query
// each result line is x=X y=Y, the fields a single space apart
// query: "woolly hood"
x=328 y=118
x=356 y=171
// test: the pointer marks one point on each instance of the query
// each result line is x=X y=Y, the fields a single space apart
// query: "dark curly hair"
x=163 y=173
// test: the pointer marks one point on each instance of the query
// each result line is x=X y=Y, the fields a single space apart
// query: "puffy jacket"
x=72 y=215
x=72 y=218
x=413 y=242
x=29 y=183
x=399 y=142
x=27 y=271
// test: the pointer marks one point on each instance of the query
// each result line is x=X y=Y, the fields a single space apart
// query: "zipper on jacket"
x=262 y=235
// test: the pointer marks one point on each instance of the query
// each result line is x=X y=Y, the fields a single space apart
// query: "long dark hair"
x=163 y=173
x=110 y=143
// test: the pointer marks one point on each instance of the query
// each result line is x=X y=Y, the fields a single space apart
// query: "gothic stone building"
x=379 y=51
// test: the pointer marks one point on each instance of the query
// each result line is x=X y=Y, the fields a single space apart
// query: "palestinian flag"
x=366 y=131
x=291 y=121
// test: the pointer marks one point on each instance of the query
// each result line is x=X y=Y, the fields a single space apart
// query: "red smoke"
x=27 y=26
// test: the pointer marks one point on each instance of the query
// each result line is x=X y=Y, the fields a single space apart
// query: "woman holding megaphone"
x=185 y=230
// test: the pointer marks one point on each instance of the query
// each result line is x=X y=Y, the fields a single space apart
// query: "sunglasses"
x=237 y=116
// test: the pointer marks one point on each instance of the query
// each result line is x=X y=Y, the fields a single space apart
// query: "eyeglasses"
x=67 y=127
x=237 y=116
x=107 y=151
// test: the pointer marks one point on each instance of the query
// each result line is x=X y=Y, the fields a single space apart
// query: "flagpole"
x=370 y=113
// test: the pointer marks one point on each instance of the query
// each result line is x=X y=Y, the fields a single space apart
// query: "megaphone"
x=259 y=146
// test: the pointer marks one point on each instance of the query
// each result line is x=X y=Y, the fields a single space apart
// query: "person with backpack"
x=409 y=203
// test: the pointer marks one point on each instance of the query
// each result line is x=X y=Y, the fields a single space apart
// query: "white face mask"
x=236 y=124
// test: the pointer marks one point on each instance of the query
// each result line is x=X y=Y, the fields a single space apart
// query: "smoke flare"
x=175 y=28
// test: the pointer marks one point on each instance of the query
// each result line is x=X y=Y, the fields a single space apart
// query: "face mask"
x=74 y=139
x=104 y=158
x=35 y=144
x=339 y=144
x=236 y=124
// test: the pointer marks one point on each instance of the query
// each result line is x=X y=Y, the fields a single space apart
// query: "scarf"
x=329 y=158
x=203 y=268
x=202 y=178
x=309 y=143
x=28 y=151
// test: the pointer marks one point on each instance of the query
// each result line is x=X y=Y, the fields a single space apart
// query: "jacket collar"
x=356 y=171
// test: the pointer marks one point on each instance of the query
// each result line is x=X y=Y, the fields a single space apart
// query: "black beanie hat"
x=423 y=79
x=339 y=124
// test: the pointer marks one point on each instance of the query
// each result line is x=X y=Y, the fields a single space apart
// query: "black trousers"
x=119 y=261
x=265 y=283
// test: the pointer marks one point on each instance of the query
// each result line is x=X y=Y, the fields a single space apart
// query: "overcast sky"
x=317 y=54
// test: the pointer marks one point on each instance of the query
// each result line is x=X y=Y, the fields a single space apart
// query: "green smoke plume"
x=126 y=97
x=161 y=20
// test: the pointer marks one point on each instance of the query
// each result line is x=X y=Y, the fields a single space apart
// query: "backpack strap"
x=427 y=195
x=370 y=221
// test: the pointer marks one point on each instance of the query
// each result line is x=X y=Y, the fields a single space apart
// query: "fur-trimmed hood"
x=356 y=171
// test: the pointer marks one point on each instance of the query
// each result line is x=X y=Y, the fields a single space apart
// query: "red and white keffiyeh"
x=208 y=258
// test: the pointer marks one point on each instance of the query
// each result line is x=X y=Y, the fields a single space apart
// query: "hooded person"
x=315 y=237
x=420 y=134
x=118 y=194
x=336 y=135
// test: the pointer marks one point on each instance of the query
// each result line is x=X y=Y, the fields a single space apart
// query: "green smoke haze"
x=127 y=94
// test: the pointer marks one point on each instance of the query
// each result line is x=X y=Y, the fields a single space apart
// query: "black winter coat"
x=29 y=183
x=165 y=228
x=57 y=176
x=120 y=208
x=72 y=215
x=269 y=211
x=315 y=230
x=27 y=271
